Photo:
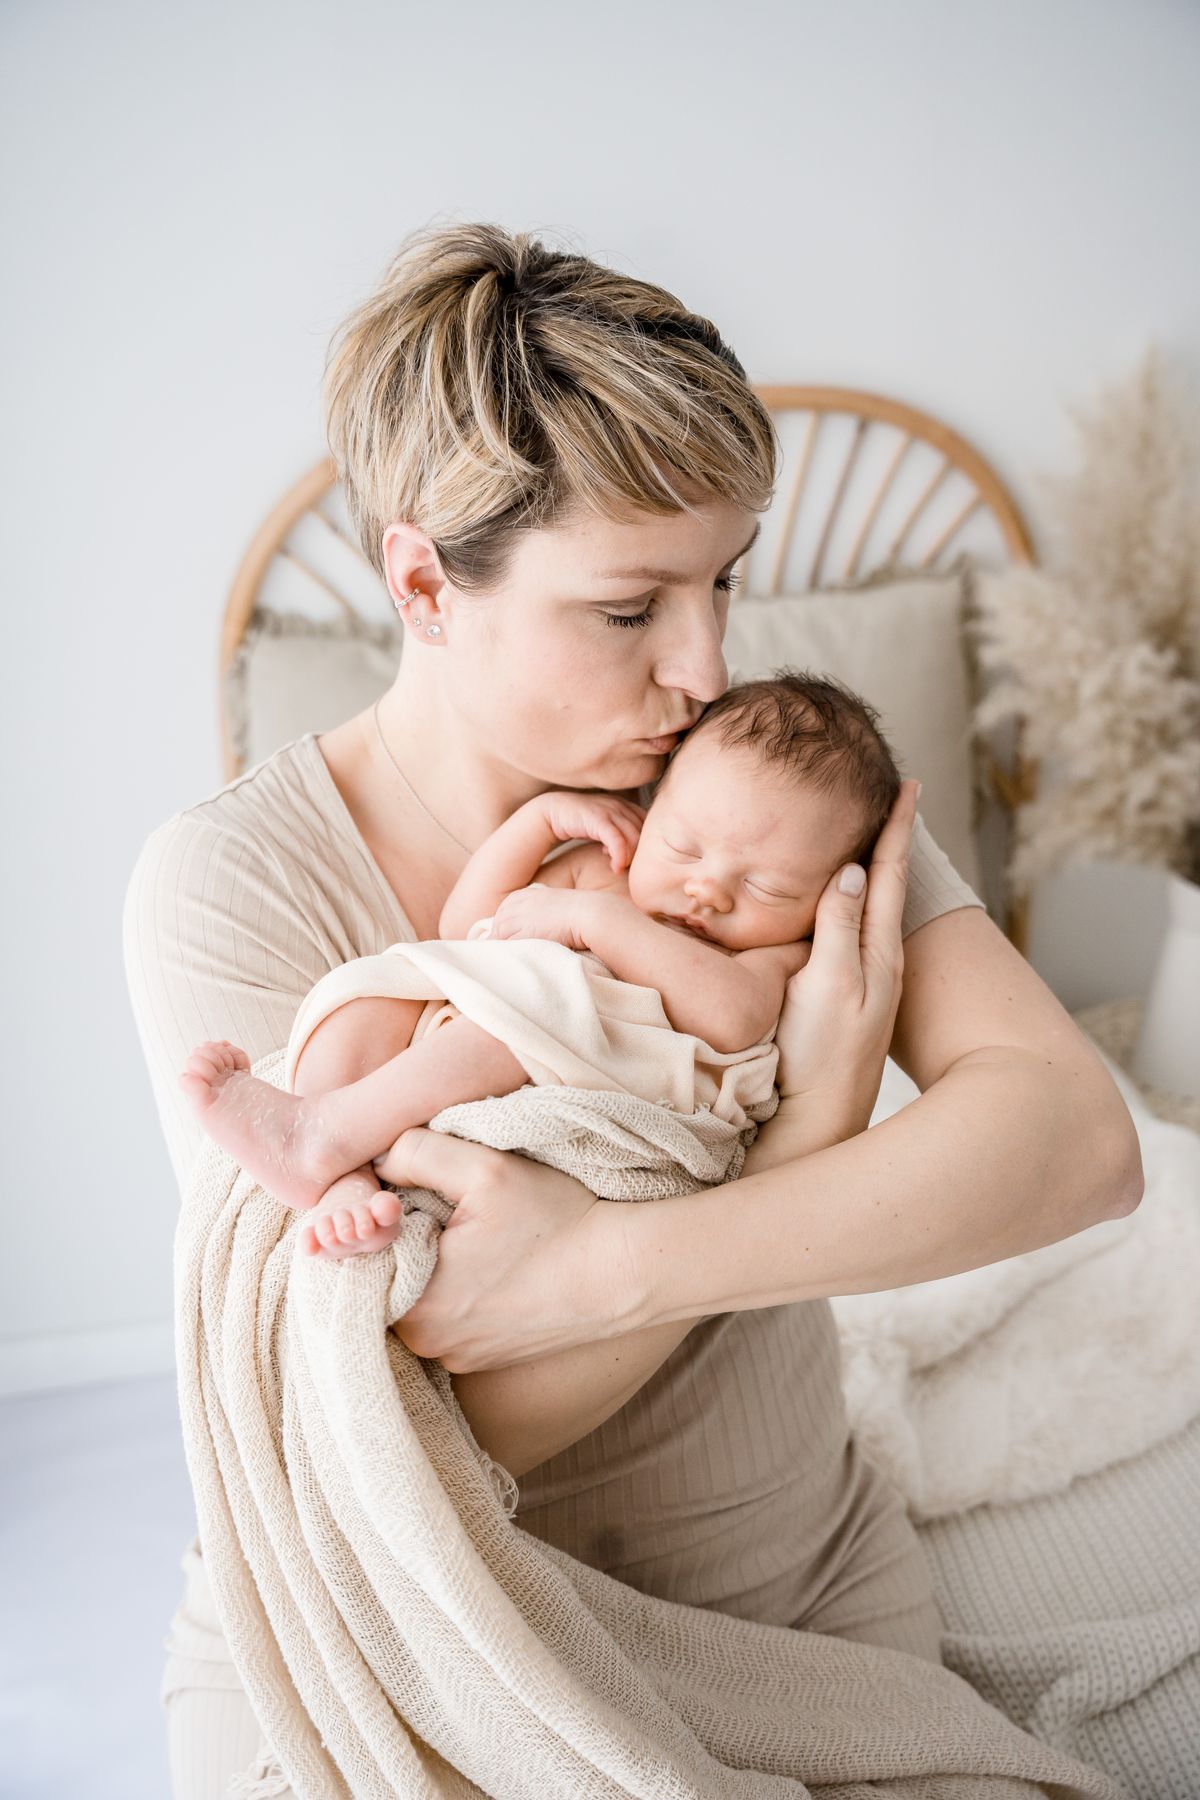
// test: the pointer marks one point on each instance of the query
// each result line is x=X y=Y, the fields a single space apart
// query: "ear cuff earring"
x=430 y=630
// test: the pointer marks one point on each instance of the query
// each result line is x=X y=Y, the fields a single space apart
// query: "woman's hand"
x=529 y=1262
x=839 y=1011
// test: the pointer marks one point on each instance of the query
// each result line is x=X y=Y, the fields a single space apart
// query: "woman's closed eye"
x=724 y=585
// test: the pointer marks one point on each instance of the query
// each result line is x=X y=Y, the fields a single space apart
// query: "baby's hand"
x=544 y=912
x=616 y=824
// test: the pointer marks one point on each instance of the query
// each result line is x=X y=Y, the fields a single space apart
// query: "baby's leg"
x=297 y=1147
x=358 y=1037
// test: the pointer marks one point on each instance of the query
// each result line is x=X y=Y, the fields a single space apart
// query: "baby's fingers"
x=619 y=835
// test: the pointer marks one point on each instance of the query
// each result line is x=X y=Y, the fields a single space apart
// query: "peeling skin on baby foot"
x=278 y=1138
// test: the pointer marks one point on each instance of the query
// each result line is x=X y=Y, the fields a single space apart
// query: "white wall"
x=984 y=209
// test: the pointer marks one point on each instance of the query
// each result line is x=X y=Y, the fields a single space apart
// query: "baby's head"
x=779 y=784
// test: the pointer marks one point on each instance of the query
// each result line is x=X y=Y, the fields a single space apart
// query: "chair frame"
x=1013 y=787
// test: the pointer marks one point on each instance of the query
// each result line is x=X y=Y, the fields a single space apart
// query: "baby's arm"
x=513 y=854
x=730 y=999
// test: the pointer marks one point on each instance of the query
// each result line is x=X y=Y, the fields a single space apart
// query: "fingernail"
x=852 y=880
x=919 y=785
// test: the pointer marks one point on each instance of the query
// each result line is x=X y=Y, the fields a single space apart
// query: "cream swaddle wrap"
x=566 y=1018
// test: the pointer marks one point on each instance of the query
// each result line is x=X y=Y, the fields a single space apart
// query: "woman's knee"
x=881 y=1591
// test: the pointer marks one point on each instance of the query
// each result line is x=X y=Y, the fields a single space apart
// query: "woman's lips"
x=660 y=745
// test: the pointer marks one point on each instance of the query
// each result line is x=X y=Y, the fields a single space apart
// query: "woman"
x=555 y=469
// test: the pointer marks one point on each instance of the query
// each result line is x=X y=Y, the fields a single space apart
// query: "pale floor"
x=95 y=1510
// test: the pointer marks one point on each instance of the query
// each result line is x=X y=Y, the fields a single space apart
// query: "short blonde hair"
x=491 y=385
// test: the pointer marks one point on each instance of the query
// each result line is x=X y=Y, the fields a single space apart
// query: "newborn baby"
x=707 y=898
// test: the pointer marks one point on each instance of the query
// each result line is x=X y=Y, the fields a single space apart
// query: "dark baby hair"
x=817 y=728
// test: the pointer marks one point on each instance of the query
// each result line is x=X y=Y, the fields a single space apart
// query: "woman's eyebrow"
x=663 y=575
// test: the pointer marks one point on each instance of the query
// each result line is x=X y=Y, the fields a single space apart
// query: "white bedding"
x=1012 y=1380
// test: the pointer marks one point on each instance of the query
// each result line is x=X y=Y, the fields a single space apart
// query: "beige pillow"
x=899 y=643
x=293 y=674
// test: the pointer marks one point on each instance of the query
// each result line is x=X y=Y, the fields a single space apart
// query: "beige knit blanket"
x=398 y=1634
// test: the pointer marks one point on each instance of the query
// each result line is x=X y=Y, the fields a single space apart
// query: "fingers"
x=615 y=842
x=835 y=947
x=888 y=884
x=433 y=1159
x=619 y=833
x=613 y=823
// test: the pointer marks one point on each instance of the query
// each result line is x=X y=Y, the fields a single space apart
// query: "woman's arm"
x=1019 y=1138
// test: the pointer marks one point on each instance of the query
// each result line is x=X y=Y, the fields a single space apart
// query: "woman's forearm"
x=799 y=1128
x=525 y=1414
x=998 y=1157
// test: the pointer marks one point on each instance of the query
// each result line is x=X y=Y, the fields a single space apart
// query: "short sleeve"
x=214 y=947
x=934 y=884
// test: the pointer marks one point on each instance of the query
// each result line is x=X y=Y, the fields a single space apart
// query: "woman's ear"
x=414 y=581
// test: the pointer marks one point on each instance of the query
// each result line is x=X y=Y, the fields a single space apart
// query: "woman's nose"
x=695 y=662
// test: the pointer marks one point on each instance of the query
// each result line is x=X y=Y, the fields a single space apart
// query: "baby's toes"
x=377 y=1219
x=386 y=1208
x=210 y=1061
x=362 y=1223
x=345 y=1224
x=327 y=1231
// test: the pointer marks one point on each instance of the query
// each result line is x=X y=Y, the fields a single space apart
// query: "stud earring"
x=432 y=630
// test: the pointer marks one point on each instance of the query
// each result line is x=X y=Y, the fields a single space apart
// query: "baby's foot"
x=348 y=1221
x=275 y=1136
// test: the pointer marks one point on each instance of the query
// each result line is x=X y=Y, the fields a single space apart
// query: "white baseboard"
x=29 y=1365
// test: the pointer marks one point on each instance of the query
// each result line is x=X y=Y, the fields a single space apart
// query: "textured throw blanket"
x=398 y=1634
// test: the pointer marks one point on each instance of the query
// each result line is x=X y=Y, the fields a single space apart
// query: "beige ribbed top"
x=726 y=1481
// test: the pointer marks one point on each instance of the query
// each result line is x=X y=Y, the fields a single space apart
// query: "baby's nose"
x=708 y=893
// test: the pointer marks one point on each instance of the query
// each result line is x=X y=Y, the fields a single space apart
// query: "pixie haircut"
x=815 y=728
x=491 y=386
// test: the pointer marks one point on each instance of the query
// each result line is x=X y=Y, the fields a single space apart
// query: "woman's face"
x=602 y=647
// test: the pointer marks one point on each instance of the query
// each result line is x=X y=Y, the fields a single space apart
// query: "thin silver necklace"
x=412 y=790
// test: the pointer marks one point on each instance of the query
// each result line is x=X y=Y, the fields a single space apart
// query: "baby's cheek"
x=638 y=876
